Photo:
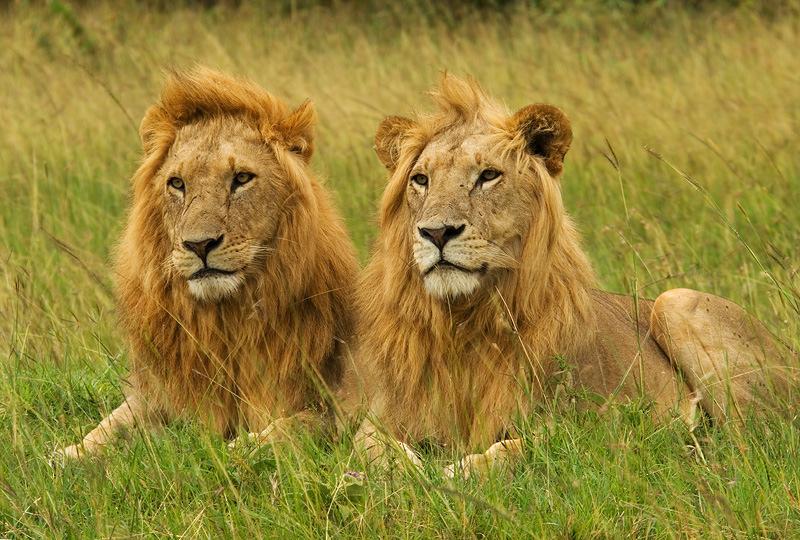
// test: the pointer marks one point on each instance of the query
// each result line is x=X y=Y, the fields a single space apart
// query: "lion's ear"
x=547 y=133
x=153 y=125
x=297 y=130
x=389 y=138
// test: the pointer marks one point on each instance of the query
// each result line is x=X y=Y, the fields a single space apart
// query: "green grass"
x=715 y=93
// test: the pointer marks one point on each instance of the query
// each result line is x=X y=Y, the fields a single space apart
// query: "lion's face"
x=473 y=191
x=223 y=191
x=470 y=210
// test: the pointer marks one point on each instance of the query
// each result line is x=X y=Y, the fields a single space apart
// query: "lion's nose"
x=202 y=248
x=441 y=235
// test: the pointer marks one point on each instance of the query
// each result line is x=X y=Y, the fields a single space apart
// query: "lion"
x=479 y=302
x=234 y=273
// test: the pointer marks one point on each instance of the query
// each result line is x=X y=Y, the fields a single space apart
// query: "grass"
x=655 y=94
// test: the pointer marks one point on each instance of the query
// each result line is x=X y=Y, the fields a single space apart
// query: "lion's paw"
x=62 y=456
x=411 y=455
x=271 y=434
x=470 y=465
x=396 y=455
x=500 y=454
x=245 y=441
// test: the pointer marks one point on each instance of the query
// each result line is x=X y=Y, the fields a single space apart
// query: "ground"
x=684 y=172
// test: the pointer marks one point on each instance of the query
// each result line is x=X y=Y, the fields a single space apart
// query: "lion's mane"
x=273 y=348
x=456 y=372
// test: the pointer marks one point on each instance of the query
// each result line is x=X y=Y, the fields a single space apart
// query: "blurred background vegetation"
x=684 y=171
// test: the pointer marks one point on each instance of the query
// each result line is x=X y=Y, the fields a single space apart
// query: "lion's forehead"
x=193 y=164
x=456 y=151
x=203 y=161
x=213 y=144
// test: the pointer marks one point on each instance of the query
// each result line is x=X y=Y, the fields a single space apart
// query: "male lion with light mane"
x=479 y=292
x=234 y=273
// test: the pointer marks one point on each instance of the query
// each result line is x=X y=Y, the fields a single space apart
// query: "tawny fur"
x=274 y=348
x=460 y=370
x=447 y=371
x=271 y=350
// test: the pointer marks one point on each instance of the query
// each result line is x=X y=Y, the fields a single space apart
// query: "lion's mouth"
x=447 y=265
x=210 y=272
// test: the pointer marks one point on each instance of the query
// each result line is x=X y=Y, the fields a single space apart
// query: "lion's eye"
x=488 y=176
x=241 y=179
x=420 y=180
x=176 y=183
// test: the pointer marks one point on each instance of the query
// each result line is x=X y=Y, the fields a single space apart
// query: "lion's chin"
x=215 y=288
x=450 y=283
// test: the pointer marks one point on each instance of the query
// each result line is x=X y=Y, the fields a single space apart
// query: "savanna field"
x=684 y=171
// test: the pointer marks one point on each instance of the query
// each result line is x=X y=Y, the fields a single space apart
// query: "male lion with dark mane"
x=234 y=272
x=479 y=292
